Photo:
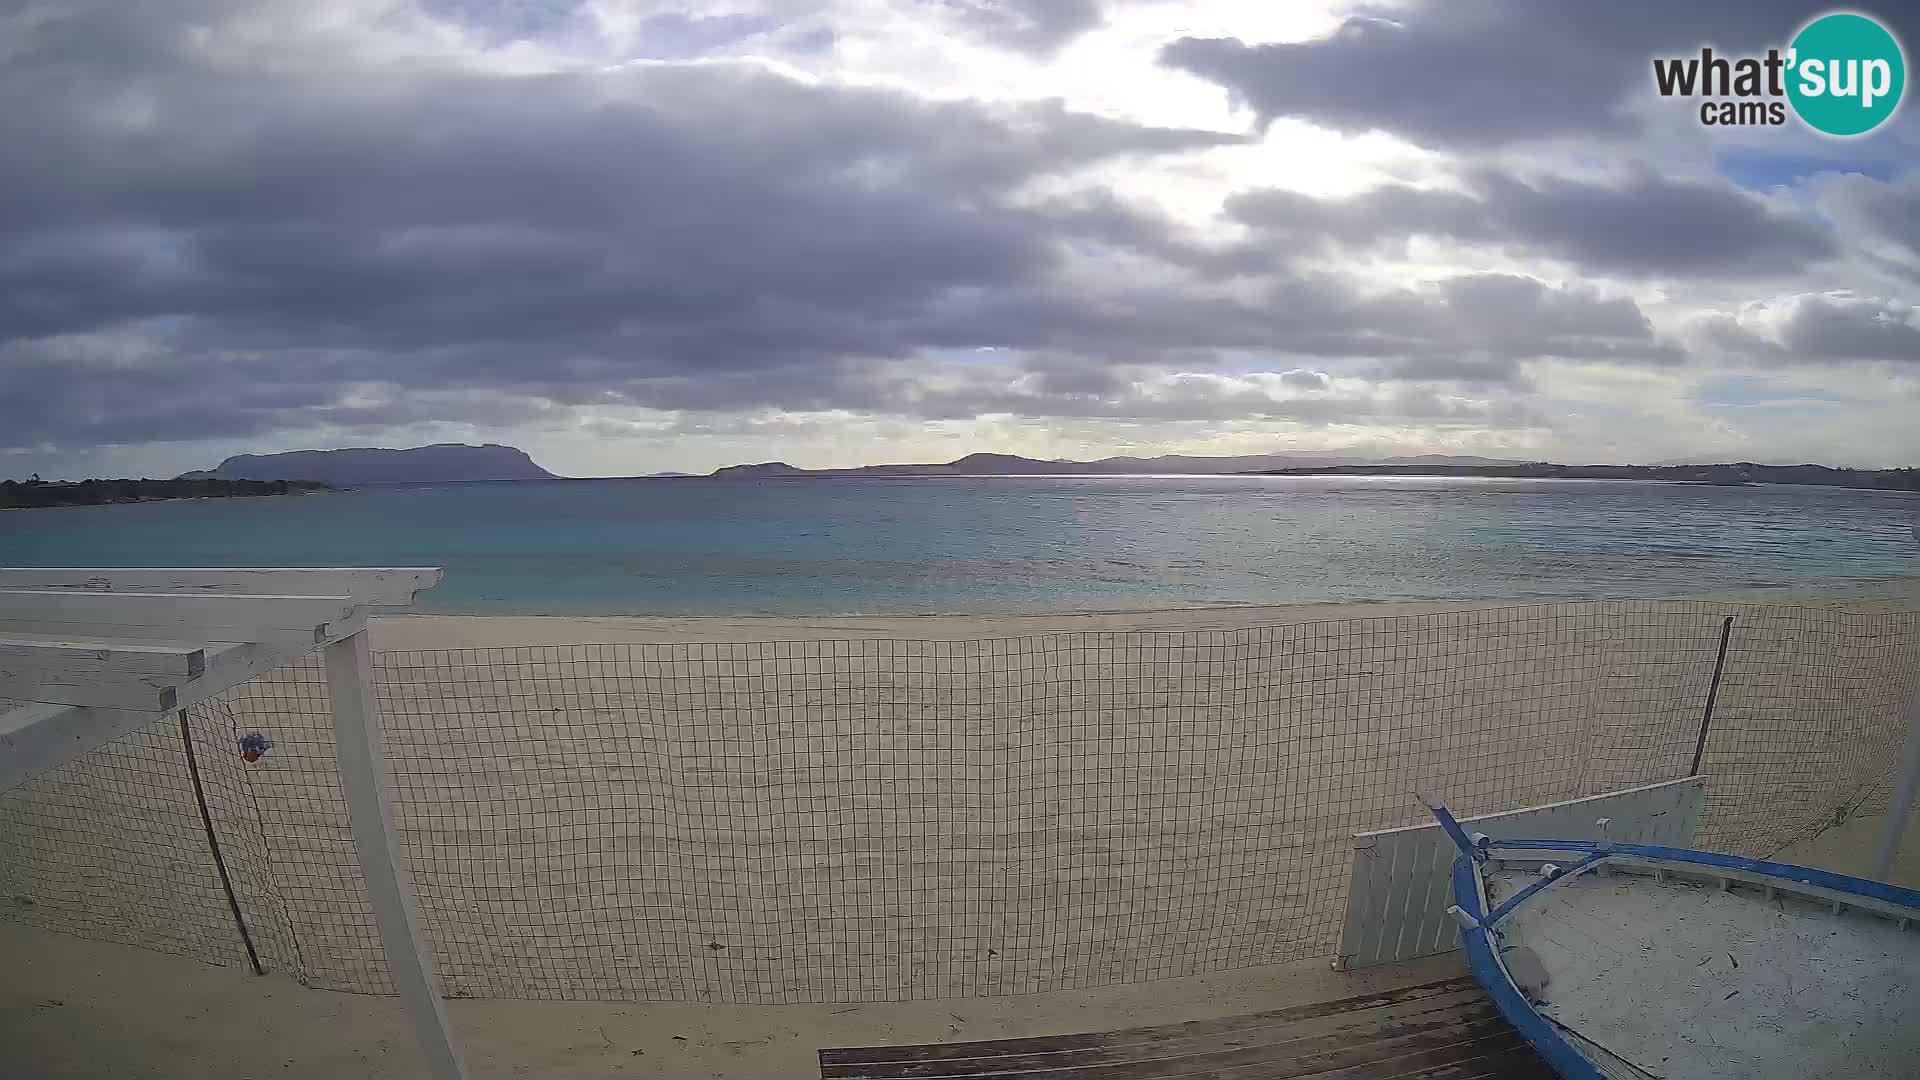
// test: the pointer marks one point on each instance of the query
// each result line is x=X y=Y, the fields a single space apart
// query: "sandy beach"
x=1042 y=822
x=767 y=810
x=74 y=1009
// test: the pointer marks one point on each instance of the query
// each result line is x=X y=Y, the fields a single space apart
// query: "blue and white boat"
x=1624 y=960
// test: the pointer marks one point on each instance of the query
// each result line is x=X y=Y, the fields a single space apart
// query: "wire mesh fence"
x=890 y=819
x=1808 y=725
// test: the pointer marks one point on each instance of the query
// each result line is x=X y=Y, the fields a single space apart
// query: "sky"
x=633 y=236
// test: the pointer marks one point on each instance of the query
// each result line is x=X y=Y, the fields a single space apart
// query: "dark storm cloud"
x=1646 y=225
x=1883 y=214
x=612 y=227
x=1505 y=314
x=1828 y=329
x=1476 y=329
x=1866 y=329
x=214 y=234
x=1211 y=398
x=57 y=392
x=1483 y=73
x=1651 y=225
x=1079 y=377
x=1308 y=314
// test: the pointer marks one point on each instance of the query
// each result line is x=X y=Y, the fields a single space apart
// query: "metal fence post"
x=213 y=843
x=1713 y=694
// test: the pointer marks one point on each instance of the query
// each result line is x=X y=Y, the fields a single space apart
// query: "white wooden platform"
x=88 y=655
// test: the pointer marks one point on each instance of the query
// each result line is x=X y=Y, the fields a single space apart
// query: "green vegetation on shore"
x=34 y=493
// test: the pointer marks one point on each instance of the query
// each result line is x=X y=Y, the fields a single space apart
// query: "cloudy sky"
x=632 y=236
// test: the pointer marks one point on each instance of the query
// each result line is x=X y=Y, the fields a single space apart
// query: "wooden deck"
x=1437 y=1030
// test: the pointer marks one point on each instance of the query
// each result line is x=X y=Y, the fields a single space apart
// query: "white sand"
x=956 y=821
x=74 y=1008
x=70 y=1007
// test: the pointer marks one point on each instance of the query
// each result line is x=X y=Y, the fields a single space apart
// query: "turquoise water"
x=1010 y=544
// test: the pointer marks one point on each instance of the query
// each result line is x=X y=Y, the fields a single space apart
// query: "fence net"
x=885 y=819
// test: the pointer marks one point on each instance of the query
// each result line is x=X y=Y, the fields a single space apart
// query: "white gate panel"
x=1401 y=883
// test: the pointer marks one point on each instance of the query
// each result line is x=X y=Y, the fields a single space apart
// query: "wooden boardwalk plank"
x=856 y=1054
x=1271 y=1062
x=1445 y=1030
x=1376 y=1061
x=1271 y=1040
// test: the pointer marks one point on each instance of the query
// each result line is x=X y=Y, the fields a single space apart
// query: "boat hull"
x=1629 y=961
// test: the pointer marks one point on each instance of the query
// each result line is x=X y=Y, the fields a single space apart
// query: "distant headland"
x=439 y=463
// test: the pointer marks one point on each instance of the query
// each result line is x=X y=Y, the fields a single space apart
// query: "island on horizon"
x=437 y=463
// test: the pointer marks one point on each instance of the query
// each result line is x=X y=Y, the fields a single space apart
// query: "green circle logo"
x=1846 y=74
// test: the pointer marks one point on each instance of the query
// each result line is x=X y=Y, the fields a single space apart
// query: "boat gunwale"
x=1479 y=929
x=1788 y=873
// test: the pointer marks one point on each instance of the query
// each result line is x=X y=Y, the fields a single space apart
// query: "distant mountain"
x=367 y=465
x=1179 y=464
x=1188 y=463
x=764 y=468
x=1705 y=460
x=1450 y=459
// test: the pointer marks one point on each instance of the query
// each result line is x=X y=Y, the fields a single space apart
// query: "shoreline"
x=447 y=631
x=169 y=499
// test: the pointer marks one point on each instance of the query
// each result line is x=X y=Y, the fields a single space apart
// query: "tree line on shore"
x=35 y=492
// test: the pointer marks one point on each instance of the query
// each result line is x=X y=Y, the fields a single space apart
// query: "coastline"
x=428 y=631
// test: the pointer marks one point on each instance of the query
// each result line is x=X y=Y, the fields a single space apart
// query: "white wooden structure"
x=1905 y=791
x=89 y=655
x=1402 y=881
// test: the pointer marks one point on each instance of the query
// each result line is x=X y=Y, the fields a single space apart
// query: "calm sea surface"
x=1010 y=544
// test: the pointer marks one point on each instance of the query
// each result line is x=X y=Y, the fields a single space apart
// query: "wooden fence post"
x=359 y=746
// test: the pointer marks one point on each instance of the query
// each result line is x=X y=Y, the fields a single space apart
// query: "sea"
x=1010 y=544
